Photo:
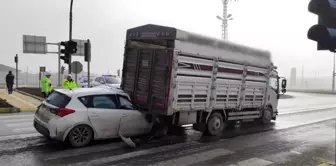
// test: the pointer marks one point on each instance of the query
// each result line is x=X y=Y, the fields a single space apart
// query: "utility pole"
x=16 y=59
x=302 y=76
x=333 y=75
x=87 y=58
x=27 y=75
x=59 y=65
x=70 y=33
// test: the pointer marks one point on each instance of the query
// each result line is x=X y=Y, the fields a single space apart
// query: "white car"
x=108 y=80
x=85 y=114
x=84 y=81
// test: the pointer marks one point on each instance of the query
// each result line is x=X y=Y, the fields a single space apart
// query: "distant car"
x=85 y=114
x=108 y=80
x=84 y=81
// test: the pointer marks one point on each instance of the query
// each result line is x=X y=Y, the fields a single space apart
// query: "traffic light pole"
x=59 y=65
x=70 y=33
x=333 y=75
x=17 y=71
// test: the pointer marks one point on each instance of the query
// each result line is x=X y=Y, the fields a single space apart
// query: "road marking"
x=82 y=151
x=20 y=124
x=291 y=125
x=20 y=136
x=295 y=152
x=135 y=154
x=327 y=164
x=305 y=110
x=24 y=129
x=17 y=120
x=195 y=158
x=254 y=162
x=16 y=116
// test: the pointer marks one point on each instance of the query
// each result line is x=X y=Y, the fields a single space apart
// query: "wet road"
x=21 y=124
x=300 y=136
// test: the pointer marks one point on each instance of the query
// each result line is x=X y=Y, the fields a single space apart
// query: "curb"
x=30 y=95
x=10 y=110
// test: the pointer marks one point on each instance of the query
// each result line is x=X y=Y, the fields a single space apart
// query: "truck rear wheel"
x=215 y=124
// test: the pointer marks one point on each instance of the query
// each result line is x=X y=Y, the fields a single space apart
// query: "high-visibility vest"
x=69 y=84
x=46 y=85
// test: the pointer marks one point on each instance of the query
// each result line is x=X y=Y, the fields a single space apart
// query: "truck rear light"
x=64 y=112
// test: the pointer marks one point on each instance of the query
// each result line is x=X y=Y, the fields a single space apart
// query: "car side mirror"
x=283 y=84
x=283 y=91
x=102 y=82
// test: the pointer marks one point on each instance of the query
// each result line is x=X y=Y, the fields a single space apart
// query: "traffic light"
x=66 y=58
x=87 y=51
x=69 y=47
x=66 y=47
x=16 y=59
x=72 y=47
x=324 y=33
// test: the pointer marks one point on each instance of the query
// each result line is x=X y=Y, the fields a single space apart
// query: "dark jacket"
x=10 y=79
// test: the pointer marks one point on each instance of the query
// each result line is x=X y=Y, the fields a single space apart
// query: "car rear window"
x=58 y=99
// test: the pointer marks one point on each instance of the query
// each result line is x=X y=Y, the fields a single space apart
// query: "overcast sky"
x=278 y=26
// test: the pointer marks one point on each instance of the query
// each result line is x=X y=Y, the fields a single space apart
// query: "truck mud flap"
x=128 y=141
x=158 y=129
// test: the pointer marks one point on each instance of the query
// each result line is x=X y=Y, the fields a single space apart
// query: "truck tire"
x=215 y=124
x=266 y=116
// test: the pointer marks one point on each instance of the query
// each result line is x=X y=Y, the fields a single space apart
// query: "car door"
x=133 y=122
x=104 y=115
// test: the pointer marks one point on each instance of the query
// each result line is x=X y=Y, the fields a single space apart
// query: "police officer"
x=46 y=85
x=69 y=83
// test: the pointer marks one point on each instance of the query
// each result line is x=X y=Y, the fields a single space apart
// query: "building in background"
x=293 y=77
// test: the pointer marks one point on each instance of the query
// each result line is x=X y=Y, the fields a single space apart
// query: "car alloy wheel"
x=80 y=136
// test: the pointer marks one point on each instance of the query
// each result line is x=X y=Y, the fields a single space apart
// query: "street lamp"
x=225 y=25
x=225 y=17
x=229 y=17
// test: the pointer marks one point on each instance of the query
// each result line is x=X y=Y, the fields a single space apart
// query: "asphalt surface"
x=21 y=123
x=303 y=134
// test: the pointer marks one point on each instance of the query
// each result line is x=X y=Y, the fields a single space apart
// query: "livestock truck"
x=186 y=78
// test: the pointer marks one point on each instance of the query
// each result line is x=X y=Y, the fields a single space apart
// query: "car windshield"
x=112 y=80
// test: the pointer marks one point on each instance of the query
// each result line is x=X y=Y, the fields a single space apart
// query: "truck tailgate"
x=146 y=77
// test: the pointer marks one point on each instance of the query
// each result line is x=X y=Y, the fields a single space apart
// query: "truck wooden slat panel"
x=129 y=70
x=143 y=80
x=160 y=74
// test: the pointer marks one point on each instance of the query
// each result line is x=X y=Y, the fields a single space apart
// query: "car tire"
x=80 y=136
x=215 y=124
x=266 y=116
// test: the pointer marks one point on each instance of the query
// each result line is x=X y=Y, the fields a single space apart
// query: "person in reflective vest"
x=69 y=83
x=46 y=85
